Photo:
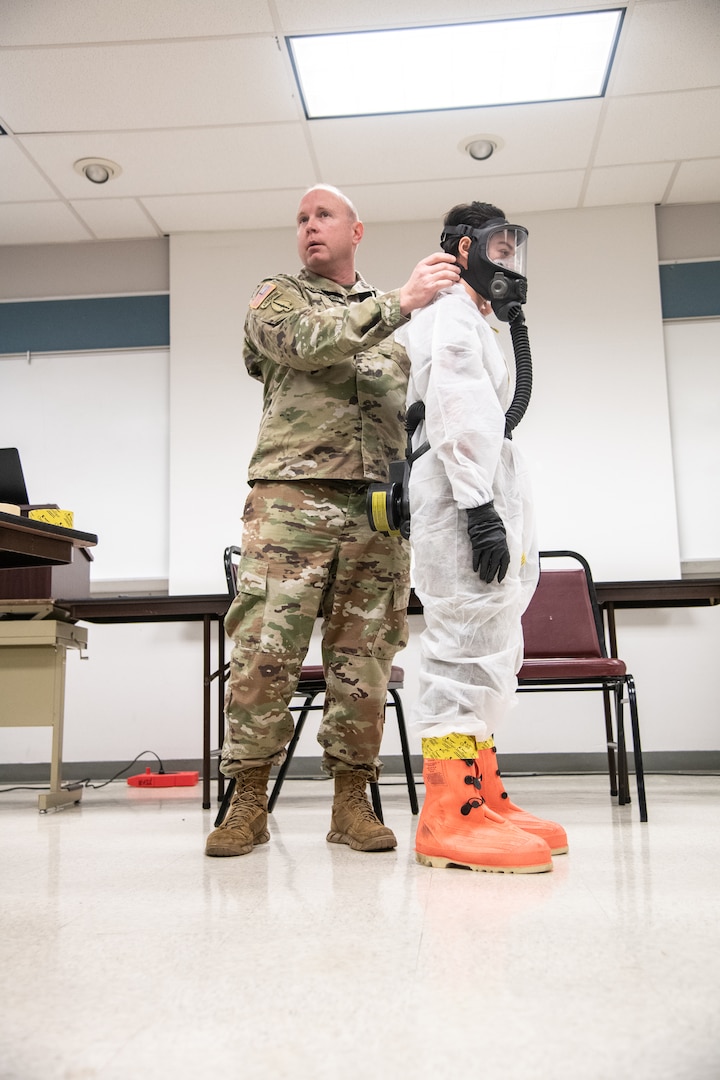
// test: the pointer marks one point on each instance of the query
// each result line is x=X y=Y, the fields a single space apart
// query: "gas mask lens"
x=506 y=246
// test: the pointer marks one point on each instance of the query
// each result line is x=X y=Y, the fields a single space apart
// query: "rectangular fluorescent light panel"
x=465 y=66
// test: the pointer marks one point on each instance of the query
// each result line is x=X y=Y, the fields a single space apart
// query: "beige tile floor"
x=125 y=952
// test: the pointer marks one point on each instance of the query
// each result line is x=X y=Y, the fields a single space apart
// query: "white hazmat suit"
x=472 y=646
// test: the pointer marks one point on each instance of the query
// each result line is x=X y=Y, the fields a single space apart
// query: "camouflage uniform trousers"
x=308 y=551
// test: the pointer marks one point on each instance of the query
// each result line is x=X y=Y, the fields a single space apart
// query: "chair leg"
x=279 y=779
x=611 y=745
x=407 y=760
x=374 y=788
x=225 y=803
x=623 y=782
x=283 y=768
x=223 y=672
x=637 y=749
x=377 y=805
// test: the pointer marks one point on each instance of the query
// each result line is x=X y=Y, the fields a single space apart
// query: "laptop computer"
x=12 y=480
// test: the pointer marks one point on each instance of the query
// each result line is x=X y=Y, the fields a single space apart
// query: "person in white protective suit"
x=475 y=560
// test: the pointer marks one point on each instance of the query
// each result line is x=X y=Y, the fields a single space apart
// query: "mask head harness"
x=497 y=262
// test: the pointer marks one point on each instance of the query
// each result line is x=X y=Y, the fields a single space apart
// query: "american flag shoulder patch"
x=262 y=293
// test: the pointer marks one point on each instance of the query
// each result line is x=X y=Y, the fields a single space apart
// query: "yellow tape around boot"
x=487 y=745
x=454 y=747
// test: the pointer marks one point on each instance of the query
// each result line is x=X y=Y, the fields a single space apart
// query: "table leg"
x=612 y=634
x=207 y=677
x=221 y=702
x=58 y=795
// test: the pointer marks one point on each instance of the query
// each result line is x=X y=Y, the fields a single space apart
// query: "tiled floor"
x=126 y=952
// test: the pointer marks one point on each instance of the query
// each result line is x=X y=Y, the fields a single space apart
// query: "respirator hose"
x=523 y=372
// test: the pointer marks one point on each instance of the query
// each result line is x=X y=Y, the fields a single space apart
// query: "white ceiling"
x=196 y=101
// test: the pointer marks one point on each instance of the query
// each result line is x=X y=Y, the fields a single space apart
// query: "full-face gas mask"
x=497 y=263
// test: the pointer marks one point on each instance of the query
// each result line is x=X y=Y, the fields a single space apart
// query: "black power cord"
x=73 y=785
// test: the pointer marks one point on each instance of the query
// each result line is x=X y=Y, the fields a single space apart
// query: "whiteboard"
x=93 y=434
x=692 y=352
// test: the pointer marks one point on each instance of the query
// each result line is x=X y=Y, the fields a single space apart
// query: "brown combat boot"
x=353 y=819
x=245 y=823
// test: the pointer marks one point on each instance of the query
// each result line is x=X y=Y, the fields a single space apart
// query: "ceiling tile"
x=115 y=219
x=430 y=200
x=114 y=87
x=403 y=147
x=208 y=213
x=324 y=16
x=669 y=46
x=660 y=127
x=40 y=223
x=697 y=181
x=19 y=179
x=179 y=161
x=33 y=23
x=618 y=184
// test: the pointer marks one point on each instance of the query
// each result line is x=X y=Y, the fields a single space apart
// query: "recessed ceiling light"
x=481 y=149
x=97 y=170
x=468 y=65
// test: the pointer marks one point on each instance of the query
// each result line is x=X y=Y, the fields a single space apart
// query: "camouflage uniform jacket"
x=334 y=379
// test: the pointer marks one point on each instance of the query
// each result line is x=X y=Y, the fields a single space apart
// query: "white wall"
x=92 y=431
x=597 y=437
x=214 y=405
x=693 y=349
x=598 y=432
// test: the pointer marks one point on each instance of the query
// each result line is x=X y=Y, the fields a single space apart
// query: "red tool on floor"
x=168 y=779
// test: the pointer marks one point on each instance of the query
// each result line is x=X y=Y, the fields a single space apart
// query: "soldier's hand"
x=437 y=271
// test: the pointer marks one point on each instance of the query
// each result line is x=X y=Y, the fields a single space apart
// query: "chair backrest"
x=231 y=556
x=563 y=618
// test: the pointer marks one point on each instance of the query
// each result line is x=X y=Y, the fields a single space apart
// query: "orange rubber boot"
x=456 y=829
x=497 y=799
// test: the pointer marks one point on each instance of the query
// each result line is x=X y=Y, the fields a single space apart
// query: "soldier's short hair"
x=336 y=191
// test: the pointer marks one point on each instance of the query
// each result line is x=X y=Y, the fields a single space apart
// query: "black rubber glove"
x=489 y=542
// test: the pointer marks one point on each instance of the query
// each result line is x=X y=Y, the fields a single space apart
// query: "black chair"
x=310 y=686
x=565 y=650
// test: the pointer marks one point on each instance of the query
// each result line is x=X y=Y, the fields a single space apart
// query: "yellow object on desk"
x=63 y=518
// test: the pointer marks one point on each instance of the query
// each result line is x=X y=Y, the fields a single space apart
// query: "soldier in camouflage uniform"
x=334 y=397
